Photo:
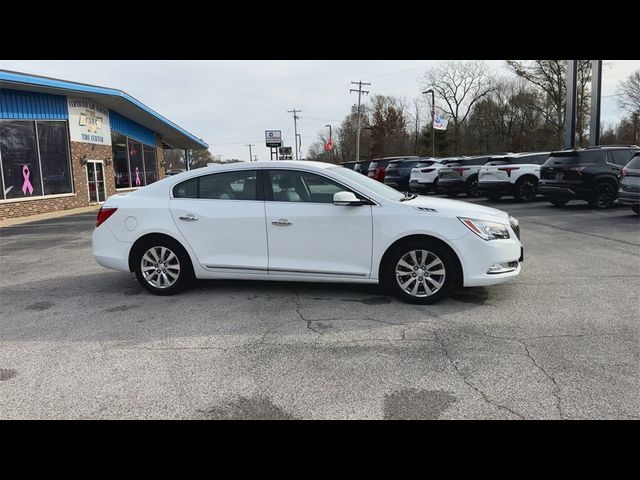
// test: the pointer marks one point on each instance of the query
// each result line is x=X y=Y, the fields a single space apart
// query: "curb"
x=46 y=216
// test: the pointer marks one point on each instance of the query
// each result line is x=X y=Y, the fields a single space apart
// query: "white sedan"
x=303 y=221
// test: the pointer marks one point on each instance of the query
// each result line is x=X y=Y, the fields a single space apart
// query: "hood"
x=458 y=208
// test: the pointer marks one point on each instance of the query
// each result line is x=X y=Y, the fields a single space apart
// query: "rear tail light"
x=427 y=170
x=103 y=214
x=508 y=170
x=460 y=170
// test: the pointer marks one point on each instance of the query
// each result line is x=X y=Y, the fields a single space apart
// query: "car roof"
x=404 y=159
x=595 y=147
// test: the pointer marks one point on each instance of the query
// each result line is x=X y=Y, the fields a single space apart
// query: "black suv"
x=399 y=171
x=629 y=192
x=348 y=165
x=589 y=174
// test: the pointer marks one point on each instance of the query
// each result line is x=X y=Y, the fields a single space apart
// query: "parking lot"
x=560 y=341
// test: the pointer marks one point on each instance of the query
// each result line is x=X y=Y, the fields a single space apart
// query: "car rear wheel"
x=604 y=196
x=559 y=201
x=526 y=189
x=162 y=266
x=420 y=272
x=472 y=187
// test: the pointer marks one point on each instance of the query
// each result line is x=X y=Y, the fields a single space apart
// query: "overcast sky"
x=231 y=103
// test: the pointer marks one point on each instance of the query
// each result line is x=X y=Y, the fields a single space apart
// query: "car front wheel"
x=420 y=272
x=162 y=267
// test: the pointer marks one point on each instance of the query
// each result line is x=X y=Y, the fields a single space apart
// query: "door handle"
x=189 y=218
x=283 y=222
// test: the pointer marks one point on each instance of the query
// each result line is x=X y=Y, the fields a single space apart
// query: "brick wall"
x=80 y=198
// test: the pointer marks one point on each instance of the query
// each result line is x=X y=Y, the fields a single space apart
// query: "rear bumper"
x=628 y=198
x=108 y=250
x=421 y=187
x=397 y=183
x=494 y=187
x=556 y=191
x=452 y=185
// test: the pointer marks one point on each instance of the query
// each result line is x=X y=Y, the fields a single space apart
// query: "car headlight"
x=486 y=230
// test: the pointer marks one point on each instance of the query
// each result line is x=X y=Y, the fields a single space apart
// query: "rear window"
x=503 y=161
x=530 y=159
x=424 y=164
x=634 y=163
x=473 y=161
x=597 y=157
x=373 y=165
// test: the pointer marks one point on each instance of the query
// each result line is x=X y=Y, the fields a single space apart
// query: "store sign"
x=88 y=122
x=273 y=138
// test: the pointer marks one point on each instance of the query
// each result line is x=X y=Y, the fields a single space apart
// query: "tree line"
x=487 y=113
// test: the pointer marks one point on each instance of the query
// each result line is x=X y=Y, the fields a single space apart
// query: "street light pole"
x=433 y=119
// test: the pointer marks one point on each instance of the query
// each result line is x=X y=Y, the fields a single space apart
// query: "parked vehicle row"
x=598 y=175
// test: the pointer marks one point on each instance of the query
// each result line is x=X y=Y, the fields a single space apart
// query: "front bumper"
x=478 y=256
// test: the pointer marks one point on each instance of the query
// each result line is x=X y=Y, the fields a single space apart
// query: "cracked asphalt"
x=560 y=341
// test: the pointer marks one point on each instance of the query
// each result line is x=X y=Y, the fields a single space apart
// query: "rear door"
x=222 y=218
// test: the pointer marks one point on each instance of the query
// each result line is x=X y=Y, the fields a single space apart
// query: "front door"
x=308 y=234
x=95 y=181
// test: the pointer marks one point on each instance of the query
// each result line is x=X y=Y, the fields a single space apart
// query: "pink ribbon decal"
x=26 y=185
x=137 y=177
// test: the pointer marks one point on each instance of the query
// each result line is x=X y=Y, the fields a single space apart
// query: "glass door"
x=95 y=181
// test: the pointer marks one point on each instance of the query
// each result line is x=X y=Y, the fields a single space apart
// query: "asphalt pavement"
x=562 y=340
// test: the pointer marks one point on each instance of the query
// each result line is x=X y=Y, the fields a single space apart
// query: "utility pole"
x=433 y=120
x=255 y=158
x=635 y=128
x=250 y=145
x=570 y=110
x=360 y=92
x=596 y=96
x=295 y=127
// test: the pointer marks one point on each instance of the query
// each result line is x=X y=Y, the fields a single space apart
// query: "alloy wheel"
x=420 y=273
x=160 y=267
x=527 y=190
x=604 y=196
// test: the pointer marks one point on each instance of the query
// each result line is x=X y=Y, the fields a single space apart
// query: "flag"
x=439 y=123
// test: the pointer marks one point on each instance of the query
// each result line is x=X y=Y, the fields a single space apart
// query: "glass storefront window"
x=20 y=165
x=150 y=167
x=120 y=160
x=54 y=157
x=135 y=163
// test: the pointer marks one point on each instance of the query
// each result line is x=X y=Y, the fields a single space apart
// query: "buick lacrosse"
x=303 y=221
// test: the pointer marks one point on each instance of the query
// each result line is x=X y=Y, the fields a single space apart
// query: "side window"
x=621 y=157
x=186 y=189
x=595 y=156
x=294 y=186
x=542 y=158
x=239 y=185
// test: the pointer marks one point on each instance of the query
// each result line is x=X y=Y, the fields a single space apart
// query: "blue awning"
x=115 y=100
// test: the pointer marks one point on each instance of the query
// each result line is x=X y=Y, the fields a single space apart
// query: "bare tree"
x=460 y=85
x=629 y=93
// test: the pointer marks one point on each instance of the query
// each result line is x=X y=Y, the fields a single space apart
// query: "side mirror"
x=346 y=199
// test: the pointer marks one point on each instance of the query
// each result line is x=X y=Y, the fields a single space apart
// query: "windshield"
x=369 y=183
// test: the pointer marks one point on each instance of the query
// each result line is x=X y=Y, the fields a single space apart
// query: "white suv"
x=424 y=177
x=515 y=174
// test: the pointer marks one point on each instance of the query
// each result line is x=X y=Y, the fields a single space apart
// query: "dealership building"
x=67 y=145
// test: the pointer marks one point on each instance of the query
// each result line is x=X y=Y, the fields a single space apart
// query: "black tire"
x=636 y=209
x=559 y=201
x=185 y=272
x=604 y=196
x=526 y=189
x=494 y=197
x=390 y=282
x=472 y=187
